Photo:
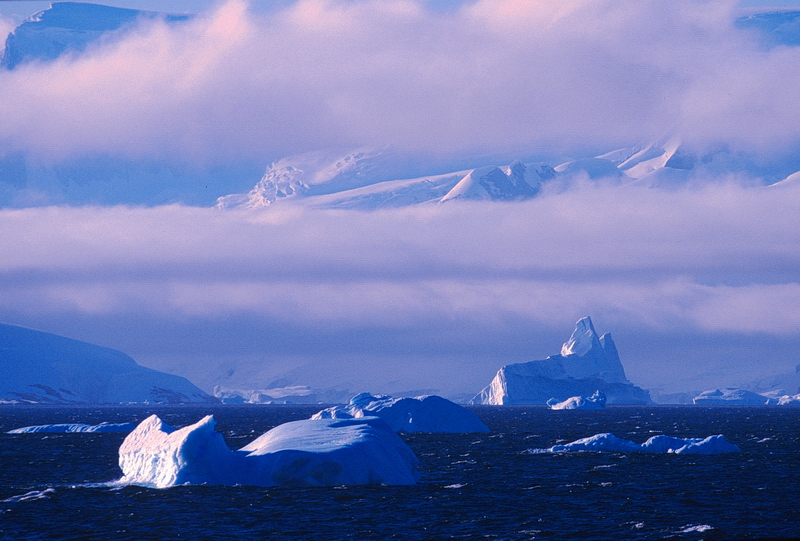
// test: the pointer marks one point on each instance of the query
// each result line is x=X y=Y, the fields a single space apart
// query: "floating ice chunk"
x=731 y=396
x=789 y=400
x=421 y=414
x=657 y=444
x=691 y=528
x=301 y=453
x=595 y=402
x=74 y=427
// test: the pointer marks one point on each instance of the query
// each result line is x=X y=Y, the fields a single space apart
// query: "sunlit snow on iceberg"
x=595 y=402
x=325 y=452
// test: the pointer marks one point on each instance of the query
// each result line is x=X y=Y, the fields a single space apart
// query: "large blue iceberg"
x=421 y=414
x=326 y=452
x=607 y=442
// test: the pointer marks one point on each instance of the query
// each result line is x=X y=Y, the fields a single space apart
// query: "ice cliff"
x=587 y=363
x=43 y=368
x=421 y=414
x=327 y=452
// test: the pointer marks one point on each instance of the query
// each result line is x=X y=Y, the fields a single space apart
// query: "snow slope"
x=587 y=363
x=44 y=368
x=300 y=453
x=421 y=414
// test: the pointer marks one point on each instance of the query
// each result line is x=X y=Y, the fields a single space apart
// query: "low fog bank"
x=696 y=285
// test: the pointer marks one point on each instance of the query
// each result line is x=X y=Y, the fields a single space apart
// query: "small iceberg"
x=595 y=402
x=731 y=397
x=789 y=400
x=74 y=428
x=327 y=452
x=431 y=414
x=607 y=442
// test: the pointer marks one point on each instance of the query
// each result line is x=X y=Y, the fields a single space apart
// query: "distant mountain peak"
x=69 y=27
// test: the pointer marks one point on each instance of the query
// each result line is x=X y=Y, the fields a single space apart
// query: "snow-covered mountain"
x=69 y=28
x=587 y=363
x=362 y=179
x=774 y=28
x=44 y=368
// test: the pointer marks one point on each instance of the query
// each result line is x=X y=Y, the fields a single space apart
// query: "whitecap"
x=30 y=496
x=691 y=528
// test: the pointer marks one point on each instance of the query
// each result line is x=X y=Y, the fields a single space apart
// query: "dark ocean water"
x=474 y=486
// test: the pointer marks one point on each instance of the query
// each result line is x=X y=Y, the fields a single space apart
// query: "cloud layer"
x=669 y=273
x=494 y=76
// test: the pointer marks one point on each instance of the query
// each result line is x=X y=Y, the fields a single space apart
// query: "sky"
x=699 y=286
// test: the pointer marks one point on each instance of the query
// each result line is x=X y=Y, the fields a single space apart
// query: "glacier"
x=595 y=402
x=44 y=368
x=607 y=442
x=74 y=428
x=587 y=363
x=328 y=452
x=431 y=414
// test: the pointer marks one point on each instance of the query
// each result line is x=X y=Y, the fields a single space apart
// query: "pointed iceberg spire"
x=583 y=340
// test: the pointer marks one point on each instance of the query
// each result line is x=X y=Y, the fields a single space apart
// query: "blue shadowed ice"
x=326 y=452
x=421 y=414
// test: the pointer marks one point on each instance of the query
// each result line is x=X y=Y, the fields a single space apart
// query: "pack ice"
x=607 y=442
x=326 y=452
x=429 y=413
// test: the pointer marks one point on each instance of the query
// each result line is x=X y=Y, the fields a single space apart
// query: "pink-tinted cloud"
x=492 y=77
x=488 y=284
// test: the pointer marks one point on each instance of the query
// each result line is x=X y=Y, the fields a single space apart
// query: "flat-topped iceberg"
x=421 y=414
x=731 y=397
x=607 y=442
x=74 y=428
x=327 y=452
x=595 y=402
